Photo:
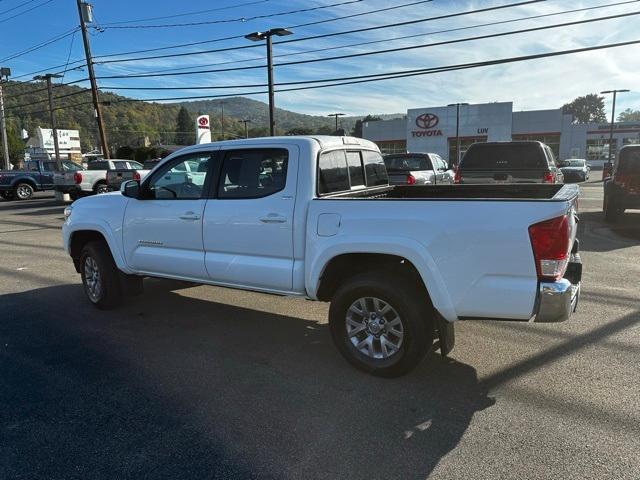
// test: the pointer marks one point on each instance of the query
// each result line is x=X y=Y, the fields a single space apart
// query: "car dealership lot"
x=203 y=382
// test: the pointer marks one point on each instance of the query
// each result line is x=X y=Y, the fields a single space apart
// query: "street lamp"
x=246 y=128
x=457 y=105
x=4 y=76
x=257 y=37
x=54 y=130
x=336 y=115
x=613 y=119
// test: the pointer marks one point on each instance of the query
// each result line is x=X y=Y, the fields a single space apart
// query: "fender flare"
x=407 y=248
x=103 y=229
x=24 y=179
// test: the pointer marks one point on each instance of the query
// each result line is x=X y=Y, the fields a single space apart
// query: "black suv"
x=622 y=188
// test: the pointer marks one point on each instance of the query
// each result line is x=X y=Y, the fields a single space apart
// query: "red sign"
x=203 y=122
x=427 y=120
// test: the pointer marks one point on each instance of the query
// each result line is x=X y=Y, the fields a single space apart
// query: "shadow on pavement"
x=597 y=236
x=29 y=204
x=175 y=387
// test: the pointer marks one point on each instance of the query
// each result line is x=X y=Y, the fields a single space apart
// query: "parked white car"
x=315 y=217
x=94 y=178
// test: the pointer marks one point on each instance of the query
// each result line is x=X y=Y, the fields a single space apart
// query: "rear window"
x=629 y=161
x=374 y=169
x=98 y=165
x=121 y=165
x=404 y=164
x=504 y=157
x=333 y=175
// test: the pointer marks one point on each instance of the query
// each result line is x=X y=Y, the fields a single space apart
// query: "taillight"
x=457 y=177
x=411 y=180
x=136 y=176
x=77 y=178
x=548 y=178
x=550 y=242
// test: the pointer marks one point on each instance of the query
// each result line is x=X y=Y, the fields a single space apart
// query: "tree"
x=125 y=152
x=16 y=148
x=324 y=130
x=357 y=129
x=185 y=128
x=587 y=109
x=299 y=131
x=629 y=115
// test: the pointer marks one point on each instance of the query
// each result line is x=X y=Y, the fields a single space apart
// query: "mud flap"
x=446 y=335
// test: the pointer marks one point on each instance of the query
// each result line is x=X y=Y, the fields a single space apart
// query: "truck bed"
x=504 y=192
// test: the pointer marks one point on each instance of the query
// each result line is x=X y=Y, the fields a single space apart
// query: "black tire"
x=7 y=195
x=414 y=311
x=109 y=292
x=23 y=191
x=101 y=188
x=612 y=212
x=74 y=196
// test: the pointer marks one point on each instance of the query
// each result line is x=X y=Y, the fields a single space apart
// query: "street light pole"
x=52 y=113
x=4 y=75
x=336 y=115
x=613 y=119
x=222 y=119
x=457 y=105
x=258 y=36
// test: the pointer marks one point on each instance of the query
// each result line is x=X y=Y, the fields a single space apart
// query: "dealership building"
x=433 y=130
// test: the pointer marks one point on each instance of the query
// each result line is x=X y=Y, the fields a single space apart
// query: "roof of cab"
x=325 y=142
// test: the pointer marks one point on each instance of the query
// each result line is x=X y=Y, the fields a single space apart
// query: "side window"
x=135 y=165
x=32 y=166
x=120 y=165
x=98 y=165
x=356 y=171
x=374 y=169
x=333 y=175
x=49 y=166
x=173 y=182
x=253 y=173
x=70 y=167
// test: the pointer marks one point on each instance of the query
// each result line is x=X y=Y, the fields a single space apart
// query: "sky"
x=539 y=84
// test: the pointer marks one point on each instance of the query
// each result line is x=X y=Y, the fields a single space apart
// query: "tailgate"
x=66 y=179
x=501 y=176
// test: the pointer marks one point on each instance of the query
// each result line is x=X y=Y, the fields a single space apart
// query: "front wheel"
x=381 y=323
x=24 y=191
x=101 y=188
x=100 y=276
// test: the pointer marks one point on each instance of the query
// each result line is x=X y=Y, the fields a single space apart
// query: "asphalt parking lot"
x=200 y=382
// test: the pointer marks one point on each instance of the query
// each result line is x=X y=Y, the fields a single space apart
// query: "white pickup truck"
x=94 y=178
x=316 y=217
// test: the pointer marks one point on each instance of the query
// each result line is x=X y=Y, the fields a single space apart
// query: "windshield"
x=509 y=156
x=629 y=160
x=573 y=163
x=407 y=164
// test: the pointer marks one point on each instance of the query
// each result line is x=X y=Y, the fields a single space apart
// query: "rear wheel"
x=100 y=276
x=24 y=191
x=101 y=188
x=381 y=323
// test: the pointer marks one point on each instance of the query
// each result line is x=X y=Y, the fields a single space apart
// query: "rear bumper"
x=67 y=188
x=558 y=300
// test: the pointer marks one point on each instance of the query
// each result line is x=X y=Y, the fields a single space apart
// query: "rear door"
x=49 y=168
x=248 y=224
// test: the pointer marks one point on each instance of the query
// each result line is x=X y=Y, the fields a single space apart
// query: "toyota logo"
x=427 y=120
x=203 y=121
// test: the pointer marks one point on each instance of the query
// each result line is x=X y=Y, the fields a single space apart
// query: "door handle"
x=190 y=216
x=273 y=218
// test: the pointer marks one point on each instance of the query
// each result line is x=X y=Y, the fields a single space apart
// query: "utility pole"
x=222 y=119
x=54 y=129
x=457 y=105
x=258 y=36
x=336 y=115
x=246 y=128
x=86 y=16
x=4 y=75
x=613 y=119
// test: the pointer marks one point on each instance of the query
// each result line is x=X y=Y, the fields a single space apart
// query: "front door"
x=248 y=227
x=163 y=229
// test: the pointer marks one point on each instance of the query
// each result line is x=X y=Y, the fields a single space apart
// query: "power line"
x=359 y=44
x=48 y=69
x=40 y=45
x=66 y=67
x=340 y=81
x=17 y=7
x=235 y=20
x=186 y=14
x=376 y=52
x=234 y=37
x=26 y=11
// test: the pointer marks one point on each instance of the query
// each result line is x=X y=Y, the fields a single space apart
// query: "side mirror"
x=130 y=188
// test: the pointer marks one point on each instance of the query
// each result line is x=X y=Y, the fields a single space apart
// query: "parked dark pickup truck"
x=509 y=162
x=36 y=176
